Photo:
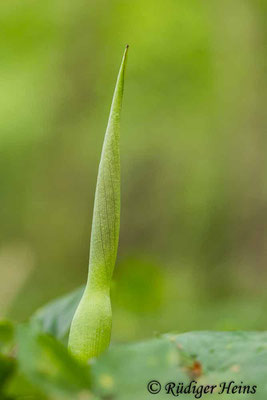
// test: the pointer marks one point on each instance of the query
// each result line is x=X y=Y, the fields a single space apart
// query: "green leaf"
x=7 y=361
x=123 y=372
x=7 y=368
x=91 y=326
x=18 y=387
x=55 y=317
x=209 y=358
x=47 y=364
x=6 y=337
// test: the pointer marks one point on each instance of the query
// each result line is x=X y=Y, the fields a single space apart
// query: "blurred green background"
x=192 y=251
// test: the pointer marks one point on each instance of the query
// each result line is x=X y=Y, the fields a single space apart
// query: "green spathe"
x=91 y=326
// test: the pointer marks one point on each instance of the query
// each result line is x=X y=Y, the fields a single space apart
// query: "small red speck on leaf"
x=195 y=370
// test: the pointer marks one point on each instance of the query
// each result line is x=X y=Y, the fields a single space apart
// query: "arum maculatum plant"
x=35 y=364
x=90 y=330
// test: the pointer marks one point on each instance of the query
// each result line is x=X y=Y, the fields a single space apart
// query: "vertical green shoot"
x=91 y=326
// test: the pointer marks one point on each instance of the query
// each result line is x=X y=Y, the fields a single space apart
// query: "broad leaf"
x=209 y=358
x=48 y=365
x=55 y=317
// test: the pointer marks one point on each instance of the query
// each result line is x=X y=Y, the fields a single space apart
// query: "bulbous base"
x=91 y=326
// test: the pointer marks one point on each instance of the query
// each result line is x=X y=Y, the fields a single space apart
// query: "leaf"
x=7 y=368
x=6 y=337
x=47 y=364
x=55 y=317
x=91 y=326
x=123 y=372
x=20 y=388
x=210 y=358
x=7 y=361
